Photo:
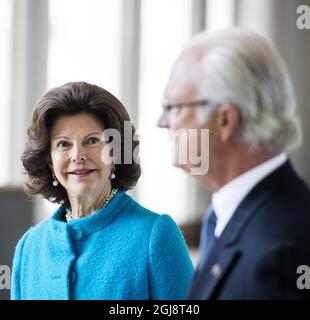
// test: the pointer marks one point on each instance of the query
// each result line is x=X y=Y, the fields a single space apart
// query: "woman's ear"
x=229 y=121
x=50 y=164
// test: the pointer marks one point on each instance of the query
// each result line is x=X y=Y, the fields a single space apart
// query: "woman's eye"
x=93 y=140
x=62 y=144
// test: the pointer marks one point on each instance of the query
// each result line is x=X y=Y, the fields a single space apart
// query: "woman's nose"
x=78 y=154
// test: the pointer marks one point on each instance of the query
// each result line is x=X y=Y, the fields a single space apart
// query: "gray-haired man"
x=255 y=234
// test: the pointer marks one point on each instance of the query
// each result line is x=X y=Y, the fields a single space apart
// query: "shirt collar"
x=226 y=200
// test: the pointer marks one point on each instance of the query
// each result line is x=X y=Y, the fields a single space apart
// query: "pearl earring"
x=55 y=181
x=112 y=175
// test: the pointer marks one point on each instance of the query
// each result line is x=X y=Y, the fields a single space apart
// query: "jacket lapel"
x=210 y=276
x=225 y=253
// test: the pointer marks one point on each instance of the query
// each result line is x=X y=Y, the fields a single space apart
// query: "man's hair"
x=240 y=67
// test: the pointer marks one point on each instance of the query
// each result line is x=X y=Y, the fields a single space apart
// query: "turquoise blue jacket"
x=123 y=251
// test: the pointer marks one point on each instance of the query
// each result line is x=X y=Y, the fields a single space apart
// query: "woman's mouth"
x=82 y=172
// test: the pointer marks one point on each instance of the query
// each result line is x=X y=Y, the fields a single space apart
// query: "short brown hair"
x=70 y=99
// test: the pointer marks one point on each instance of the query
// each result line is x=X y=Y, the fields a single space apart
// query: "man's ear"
x=228 y=121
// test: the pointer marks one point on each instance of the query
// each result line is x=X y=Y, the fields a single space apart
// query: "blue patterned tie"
x=207 y=236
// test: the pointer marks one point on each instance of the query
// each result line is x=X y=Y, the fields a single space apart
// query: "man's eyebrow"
x=65 y=137
x=165 y=105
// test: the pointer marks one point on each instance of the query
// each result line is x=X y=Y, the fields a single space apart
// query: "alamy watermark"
x=190 y=148
x=303 y=281
x=303 y=20
x=5 y=277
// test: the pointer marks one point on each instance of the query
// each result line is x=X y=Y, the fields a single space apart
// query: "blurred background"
x=127 y=47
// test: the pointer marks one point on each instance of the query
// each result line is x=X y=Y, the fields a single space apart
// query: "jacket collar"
x=255 y=199
x=98 y=220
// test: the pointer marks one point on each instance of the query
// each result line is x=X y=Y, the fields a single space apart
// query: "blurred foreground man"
x=230 y=111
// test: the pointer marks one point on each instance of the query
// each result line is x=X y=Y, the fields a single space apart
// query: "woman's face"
x=76 y=154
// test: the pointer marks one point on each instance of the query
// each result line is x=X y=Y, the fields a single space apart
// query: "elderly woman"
x=100 y=243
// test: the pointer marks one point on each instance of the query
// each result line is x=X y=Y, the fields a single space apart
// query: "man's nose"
x=78 y=154
x=162 y=121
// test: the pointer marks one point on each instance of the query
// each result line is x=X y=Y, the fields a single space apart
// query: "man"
x=257 y=230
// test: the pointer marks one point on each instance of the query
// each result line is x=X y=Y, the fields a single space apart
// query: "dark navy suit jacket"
x=267 y=238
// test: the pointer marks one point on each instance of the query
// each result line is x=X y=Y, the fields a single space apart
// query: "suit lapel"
x=206 y=280
x=225 y=253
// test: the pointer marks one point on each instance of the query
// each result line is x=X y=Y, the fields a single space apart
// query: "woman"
x=100 y=243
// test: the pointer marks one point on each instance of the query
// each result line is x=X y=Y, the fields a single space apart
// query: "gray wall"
x=294 y=44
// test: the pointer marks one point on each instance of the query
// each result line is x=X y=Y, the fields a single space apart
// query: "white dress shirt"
x=226 y=200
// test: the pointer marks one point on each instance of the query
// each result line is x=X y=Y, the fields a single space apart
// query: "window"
x=85 y=42
x=165 y=26
x=220 y=14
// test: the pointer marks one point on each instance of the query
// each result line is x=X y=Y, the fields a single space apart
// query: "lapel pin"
x=216 y=270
